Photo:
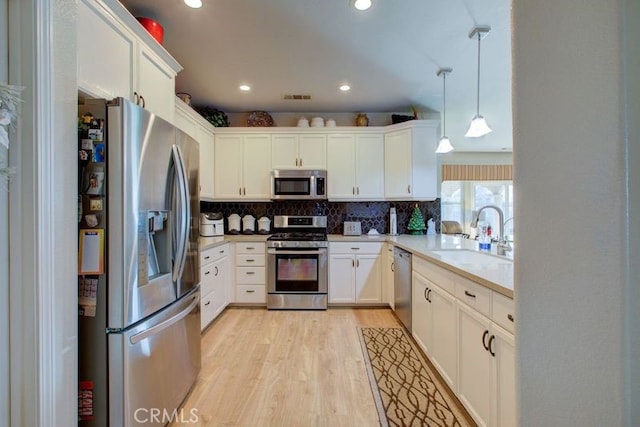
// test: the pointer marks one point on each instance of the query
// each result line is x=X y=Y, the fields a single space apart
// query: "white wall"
x=43 y=212
x=570 y=177
x=4 y=240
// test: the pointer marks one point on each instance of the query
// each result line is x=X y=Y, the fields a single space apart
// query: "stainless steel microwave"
x=297 y=184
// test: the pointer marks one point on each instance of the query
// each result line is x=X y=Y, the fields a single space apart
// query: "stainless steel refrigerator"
x=138 y=266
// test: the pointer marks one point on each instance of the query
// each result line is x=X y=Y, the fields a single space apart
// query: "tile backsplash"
x=371 y=214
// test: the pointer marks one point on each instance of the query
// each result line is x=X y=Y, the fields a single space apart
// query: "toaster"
x=352 y=228
x=211 y=224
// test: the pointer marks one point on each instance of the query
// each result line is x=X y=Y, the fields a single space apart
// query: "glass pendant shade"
x=444 y=146
x=478 y=128
x=193 y=3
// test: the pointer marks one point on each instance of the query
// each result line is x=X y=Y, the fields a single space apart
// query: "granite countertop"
x=496 y=273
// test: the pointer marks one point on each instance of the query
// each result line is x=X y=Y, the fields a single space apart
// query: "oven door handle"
x=297 y=252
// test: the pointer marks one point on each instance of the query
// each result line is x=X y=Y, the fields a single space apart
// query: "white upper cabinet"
x=242 y=166
x=106 y=53
x=118 y=57
x=355 y=166
x=190 y=122
x=410 y=169
x=298 y=151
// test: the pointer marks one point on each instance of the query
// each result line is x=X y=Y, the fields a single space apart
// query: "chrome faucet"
x=503 y=245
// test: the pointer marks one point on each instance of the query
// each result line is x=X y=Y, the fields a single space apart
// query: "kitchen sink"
x=467 y=256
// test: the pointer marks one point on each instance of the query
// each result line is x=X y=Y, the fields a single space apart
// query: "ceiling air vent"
x=296 y=97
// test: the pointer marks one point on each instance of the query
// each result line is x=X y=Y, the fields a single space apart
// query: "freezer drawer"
x=154 y=365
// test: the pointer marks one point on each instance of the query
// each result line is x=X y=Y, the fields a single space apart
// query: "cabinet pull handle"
x=244 y=191
x=250 y=272
x=207 y=272
x=250 y=291
x=207 y=303
x=249 y=248
x=357 y=263
x=239 y=191
x=484 y=342
x=469 y=294
x=353 y=190
x=207 y=257
x=409 y=189
x=216 y=270
x=251 y=260
x=429 y=295
x=358 y=190
x=510 y=317
x=491 y=340
x=353 y=263
x=143 y=103
x=300 y=162
x=355 y=249
x=222 y=251
x=426 y=291
x=393 y=266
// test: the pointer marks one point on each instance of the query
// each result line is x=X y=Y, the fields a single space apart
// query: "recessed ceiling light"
x=345 y=88
x=362 y=4
x=244 y=88
x=196 y=4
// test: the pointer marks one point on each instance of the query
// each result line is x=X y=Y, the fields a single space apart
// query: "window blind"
x=477 y=172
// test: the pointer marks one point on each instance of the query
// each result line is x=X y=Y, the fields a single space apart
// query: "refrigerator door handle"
x=183 y=213
x=165 y=324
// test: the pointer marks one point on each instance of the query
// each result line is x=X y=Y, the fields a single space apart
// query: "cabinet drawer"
x=355 y=247
x=250 y=294
x=474 y=295
x=438 y=275
x=250 y=275
x=207 y=310
x=250 y=247
x=502 y=311
x=207 y=279
x=212 y=254
x=249 y=260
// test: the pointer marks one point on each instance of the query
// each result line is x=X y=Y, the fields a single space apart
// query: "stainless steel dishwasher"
x=402 y=285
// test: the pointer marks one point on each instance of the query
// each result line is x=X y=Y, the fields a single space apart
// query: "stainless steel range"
x=297 y=263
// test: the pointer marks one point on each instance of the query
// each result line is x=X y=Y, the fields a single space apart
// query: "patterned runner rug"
x=406 y=391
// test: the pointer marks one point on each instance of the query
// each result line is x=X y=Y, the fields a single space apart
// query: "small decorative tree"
x=416 y=223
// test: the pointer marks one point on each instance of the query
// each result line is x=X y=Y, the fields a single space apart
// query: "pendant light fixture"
x=478 y=126
x=444 y=146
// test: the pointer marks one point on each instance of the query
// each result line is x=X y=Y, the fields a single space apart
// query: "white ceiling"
x=389 y=55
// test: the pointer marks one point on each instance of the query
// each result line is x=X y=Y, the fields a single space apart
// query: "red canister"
x=153 y=27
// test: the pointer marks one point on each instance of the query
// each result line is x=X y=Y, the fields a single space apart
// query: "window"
x=460 y=198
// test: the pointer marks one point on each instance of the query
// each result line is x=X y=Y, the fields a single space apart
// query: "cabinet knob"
x=510 y=317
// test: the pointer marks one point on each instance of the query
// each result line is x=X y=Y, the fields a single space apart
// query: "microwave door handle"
x=182 y=213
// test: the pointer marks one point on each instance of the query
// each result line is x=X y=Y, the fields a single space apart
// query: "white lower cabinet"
x=486 y=362
x=214 y=283
x=250 y=273
x=388 y=291
x=434 y=325
x=466 y=331
x=355 y=272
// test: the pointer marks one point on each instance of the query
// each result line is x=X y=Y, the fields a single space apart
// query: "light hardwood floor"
x=285 y=368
